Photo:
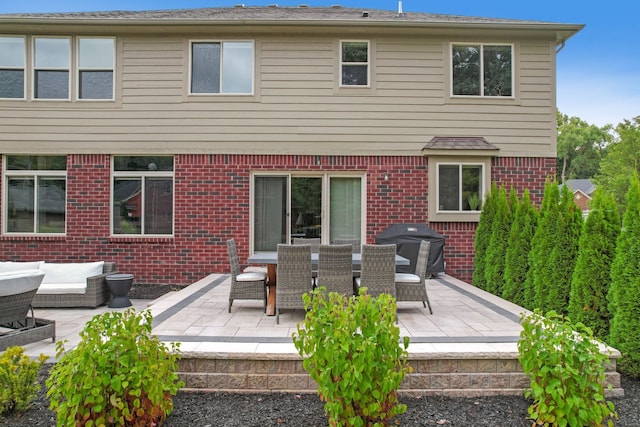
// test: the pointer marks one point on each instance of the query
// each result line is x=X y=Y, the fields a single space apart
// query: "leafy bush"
x=18 y=386
x=566 y=368
x=119 y=374
x=351 y=348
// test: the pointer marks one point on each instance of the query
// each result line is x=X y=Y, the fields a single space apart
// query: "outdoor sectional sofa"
x=68 y=284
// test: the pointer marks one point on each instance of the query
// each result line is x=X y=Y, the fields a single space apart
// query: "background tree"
x=521 y=234
x=580 y=147
x=621 y=161
x=624 y=293
x=562 y=262
x=497 y=249
x=592 y=275
x=483 y=237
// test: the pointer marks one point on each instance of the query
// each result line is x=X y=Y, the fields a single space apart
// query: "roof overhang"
x=459 y=146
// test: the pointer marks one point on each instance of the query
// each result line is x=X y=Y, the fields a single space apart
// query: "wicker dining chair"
x=378 y=269
x=314 y=242
x=294 y=277
x=250 y=285
x=357 y=245
x=413 y=287
x=335 y=269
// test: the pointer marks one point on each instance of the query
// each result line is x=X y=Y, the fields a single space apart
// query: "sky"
x=598 y=70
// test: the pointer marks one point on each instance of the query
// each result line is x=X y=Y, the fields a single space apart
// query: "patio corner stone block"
x=197 y=381
x=257 y=382
x=447 y=366
x=488 y=365
x=218 y=381
x=237 y=381
x=278 y=382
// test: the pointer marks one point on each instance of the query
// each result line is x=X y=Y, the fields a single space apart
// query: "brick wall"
x=212 y=205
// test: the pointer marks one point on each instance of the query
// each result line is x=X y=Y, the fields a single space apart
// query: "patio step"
x=433 y=374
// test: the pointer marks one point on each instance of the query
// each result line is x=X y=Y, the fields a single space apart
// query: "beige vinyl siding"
x=298 y=106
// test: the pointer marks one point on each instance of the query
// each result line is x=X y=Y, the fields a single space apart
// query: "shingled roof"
x=270 y=13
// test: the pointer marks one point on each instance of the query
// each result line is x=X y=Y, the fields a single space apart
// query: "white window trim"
x=435 y=214
x=221 y=41
x=79 y=69
x=23 y=68
x=35 y=174
x=325 y=176
x=482 y=95
x=142 y=175
x=34 y=69
x=368 y=64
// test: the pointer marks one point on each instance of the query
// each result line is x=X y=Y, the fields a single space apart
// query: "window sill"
x=33 y=237
x=141 y=239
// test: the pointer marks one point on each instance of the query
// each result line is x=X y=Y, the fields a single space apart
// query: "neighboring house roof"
x=585 y=186
x=271 y=15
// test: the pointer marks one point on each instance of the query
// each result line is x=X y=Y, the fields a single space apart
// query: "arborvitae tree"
x=497 y=249
x=483 y=237
x=541 y=247
x=564 y=255
x=592 y=275
x=624 y=293
x=516 y=259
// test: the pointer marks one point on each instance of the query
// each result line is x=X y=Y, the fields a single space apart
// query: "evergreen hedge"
x=624 y=293
x=592 y=275
x=518 y=247
x=483 y=237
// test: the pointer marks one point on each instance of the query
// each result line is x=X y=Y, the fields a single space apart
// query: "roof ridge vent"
x=365 y=14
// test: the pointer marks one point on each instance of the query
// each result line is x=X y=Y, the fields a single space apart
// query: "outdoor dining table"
x=270 y=259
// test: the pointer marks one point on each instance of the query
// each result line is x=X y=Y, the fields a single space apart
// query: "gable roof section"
x=275 y=15
x=585 y=186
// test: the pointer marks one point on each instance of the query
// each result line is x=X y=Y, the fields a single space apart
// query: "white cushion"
x=62 y=288
x=407 y=278
x=19 y=282
x=9 y=266
x=70 y=272
x=253 y=276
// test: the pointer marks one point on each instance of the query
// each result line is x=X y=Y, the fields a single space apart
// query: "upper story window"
x=460 y=187
x=354 y=63
x=60 y=68
x=96 y=62
x=482 y=69
x=35 y=197
x=51 y=62
x=12 y=67
x=224 y=67
x=142 y=195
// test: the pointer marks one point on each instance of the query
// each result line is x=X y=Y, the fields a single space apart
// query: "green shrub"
x=497 y=248
x=18 y=385
x=483 y=237
x=119 y=374
x=566 y=368
x=351 y=349
x=518 y=247
x=592 y=275
x=624 y=292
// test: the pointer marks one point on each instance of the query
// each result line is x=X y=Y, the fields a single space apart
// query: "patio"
x=467 y=347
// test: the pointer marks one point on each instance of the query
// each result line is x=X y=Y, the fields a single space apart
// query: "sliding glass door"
x=321 y=206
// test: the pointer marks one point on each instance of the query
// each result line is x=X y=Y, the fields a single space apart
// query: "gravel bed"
x=199 y=409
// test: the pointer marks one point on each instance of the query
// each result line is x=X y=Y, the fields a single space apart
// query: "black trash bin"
x=407 y=238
